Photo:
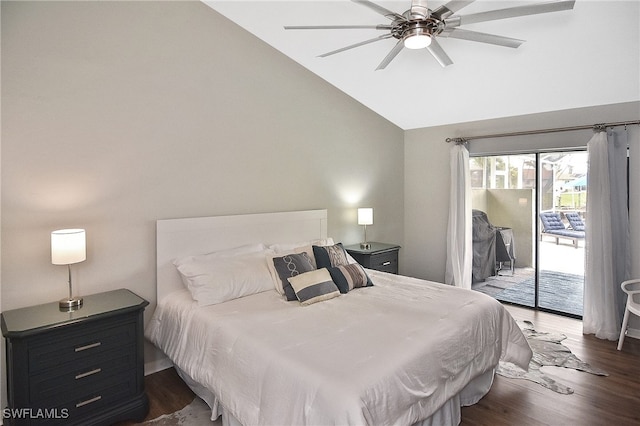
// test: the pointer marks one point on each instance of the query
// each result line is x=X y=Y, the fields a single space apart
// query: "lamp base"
x=71 y=304
x=365 y=246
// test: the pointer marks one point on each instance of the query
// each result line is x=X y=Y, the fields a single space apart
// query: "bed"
x=400 y=351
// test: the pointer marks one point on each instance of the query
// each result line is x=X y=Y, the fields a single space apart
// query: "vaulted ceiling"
x=587 y=56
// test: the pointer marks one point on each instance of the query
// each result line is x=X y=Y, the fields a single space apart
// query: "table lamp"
x=68 y=246
x=365 y=217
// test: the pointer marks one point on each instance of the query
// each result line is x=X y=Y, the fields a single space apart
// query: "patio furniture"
x=575 y=221
x=632 y=288
x=553 y=226
x=505 y=250
x=493 y=247
x=484 y=247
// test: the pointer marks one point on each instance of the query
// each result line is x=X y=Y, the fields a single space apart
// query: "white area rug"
x=547 y=351
x=195 y=414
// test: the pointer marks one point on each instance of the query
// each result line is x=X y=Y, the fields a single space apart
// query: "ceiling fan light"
x=417 y=41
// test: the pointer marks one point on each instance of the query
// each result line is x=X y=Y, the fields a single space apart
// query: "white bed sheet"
x=389 y=354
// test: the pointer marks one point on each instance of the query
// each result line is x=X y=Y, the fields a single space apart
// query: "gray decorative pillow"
x=330 y=256
x=314 y=286
x=289 y=266
x=348 y=277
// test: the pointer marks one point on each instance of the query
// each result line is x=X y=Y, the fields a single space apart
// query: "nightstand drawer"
x=385 y=262
x=87 y=341
x=72 y=410
x=74 y=380
x=113 y=391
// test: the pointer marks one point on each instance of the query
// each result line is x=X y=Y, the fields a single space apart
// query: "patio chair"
x=575 y=221
x=632 y=288
x=553 y=226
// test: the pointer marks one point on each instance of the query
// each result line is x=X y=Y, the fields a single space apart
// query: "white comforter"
x=388 y=354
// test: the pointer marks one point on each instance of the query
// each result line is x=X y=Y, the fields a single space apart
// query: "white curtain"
x=607 y=238
x=459 y=239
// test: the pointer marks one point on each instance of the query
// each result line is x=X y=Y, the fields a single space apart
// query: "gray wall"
x=116 y=114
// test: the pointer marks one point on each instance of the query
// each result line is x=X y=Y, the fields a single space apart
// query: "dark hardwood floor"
x=612 y=400
x=167 y=393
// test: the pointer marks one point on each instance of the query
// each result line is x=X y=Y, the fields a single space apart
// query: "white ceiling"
x=587 y=56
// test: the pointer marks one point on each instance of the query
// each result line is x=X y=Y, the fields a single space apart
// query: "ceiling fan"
x=419 y=27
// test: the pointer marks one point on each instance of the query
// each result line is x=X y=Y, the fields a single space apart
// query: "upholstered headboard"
x=193 y=236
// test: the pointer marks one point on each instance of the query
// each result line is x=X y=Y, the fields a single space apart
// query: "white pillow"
x=213 y=279
x=300 y=246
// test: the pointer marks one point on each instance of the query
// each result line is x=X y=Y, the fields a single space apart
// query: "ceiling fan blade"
x=381 y=10
x=461 y=34
x=512 y=12
x=436 y=50
x=337 y=27
x=391 y=55
x=362 y=43
x=419 y=9
x=450 y=8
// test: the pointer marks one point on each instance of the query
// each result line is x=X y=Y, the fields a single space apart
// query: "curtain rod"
x=540 y=131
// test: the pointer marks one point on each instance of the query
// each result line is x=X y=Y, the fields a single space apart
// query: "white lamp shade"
x=68 y=246
x=365 y=216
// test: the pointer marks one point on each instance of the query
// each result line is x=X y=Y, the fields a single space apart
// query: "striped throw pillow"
x=348 y=277
x=314 y=286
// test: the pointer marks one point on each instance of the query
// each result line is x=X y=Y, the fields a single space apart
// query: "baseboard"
x=157 y=365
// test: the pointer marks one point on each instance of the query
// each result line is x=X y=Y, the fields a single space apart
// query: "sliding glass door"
x=515 y=259
x=563 y=198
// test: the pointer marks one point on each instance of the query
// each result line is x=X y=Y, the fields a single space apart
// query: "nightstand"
x=379 y=256
x=81 y=367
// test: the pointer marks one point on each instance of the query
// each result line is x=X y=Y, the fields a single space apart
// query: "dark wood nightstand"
x=379 y=256
x=81 y=367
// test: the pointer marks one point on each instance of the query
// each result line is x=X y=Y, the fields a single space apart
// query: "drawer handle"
x=88 y=373
x=386 y=263
x=88 y=401
x=91 y=346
